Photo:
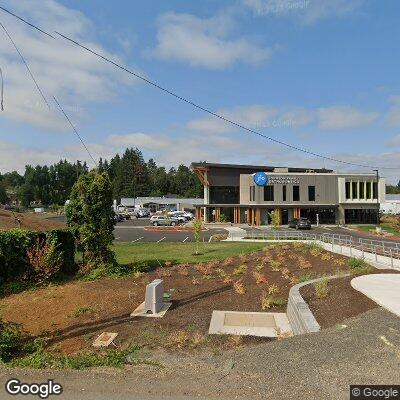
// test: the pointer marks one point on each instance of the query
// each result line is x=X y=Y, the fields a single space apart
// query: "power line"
x=26 y=22
x=40 y=91
x=75 y=130
x=202 y=108
x=2 y=90
x=26 y=65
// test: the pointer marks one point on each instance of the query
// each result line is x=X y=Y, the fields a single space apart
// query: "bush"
x=321 y=288
x=12 y=341
x=20 y=248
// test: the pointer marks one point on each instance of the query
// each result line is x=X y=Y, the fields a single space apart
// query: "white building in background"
x=391 y=205
x=160 y=203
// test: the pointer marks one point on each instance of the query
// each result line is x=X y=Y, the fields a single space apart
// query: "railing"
x=377 y=247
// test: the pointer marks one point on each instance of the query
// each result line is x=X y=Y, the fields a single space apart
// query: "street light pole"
x=377 y=197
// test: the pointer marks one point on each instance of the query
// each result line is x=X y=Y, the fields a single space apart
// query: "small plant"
x=314 y=249
x=285 y=273
x=260 y=278
x=221 y=273
x=275 y=219
x=304 y=264
x=204 y=269
x=82 y=311
x=235 y=340
x=326 y=256
x=357 y=263
x=339 y=262
x=275 y=265
x=183 y=270
x=198 y=339
x=259 y=268
x=164 y=273
x=178 y=339
x=195 y=281
x=168 y=264
x=293 y=280
x=239 y=287
x=240 y=270
x=228 y=262
x=228 y=280
x=305 y=278
x=321 y=288
x=270 y=301
x=273 y=289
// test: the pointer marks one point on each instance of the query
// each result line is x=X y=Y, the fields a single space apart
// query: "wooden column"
x=248 y=216
x=258 y=217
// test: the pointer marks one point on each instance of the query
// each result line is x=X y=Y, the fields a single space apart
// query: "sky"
x=318 y=74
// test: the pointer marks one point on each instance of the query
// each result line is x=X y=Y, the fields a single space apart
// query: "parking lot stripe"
x=184 y=240
x=158 y=241
x=133 y=241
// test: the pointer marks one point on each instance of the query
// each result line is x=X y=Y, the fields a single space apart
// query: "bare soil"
x=73 y=314
x=9 y=220
x=342 y=301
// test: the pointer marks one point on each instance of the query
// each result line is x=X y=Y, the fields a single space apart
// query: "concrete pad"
x=384 y=289
x=139 y=311
x=105 y=339
x=249 y=324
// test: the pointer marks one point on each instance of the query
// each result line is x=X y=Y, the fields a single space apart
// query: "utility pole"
x=377 y=197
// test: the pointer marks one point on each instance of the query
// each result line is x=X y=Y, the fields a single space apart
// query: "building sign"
x=284 y=180
x=260 y=178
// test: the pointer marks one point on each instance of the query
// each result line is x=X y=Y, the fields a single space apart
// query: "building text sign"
x=283 y=180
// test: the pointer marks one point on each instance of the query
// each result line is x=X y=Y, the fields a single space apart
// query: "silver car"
x=160 y=220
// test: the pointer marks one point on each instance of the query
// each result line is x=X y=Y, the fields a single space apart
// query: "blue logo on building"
x=260 y=178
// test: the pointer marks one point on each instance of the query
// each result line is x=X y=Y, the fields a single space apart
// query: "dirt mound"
x=9 y=220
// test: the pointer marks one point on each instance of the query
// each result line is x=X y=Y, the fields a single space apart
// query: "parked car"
x=119 y=217
x=160 y=220
x=179 y=215
x=300 y=223
x=142 y=213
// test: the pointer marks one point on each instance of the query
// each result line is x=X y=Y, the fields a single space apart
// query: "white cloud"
x=394 y=141
x=204 y=42
x=74 y=76
x=344 y=117
x=392 y=119
x=308 y=11
x=140 y=140
x=253 y=116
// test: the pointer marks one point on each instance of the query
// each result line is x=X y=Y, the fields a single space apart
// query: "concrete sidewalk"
x=384 y=289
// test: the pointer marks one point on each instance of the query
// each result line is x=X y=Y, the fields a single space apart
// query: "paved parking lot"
x=134 y=231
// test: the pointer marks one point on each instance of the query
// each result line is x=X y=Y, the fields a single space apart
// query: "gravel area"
x=364 y=350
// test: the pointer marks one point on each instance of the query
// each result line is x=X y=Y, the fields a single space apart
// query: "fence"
x=376 y=247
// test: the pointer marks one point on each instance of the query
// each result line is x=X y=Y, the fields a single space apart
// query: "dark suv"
x=300 y=223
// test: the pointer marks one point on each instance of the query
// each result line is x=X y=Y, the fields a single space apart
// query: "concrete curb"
x=299 y=314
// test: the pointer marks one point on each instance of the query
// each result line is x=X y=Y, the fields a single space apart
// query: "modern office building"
x=250 y=193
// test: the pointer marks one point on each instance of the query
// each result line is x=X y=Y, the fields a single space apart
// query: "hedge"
x=15 y=243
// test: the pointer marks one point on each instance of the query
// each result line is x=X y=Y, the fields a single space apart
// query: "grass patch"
x=305 y=278
x=385 y=226
x=359 y=266
x=82 y=311
x=321 y=288
x=151 y=255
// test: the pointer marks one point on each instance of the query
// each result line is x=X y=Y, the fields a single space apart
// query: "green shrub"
x=17 y=243
x=359 y=266
x=12 y=341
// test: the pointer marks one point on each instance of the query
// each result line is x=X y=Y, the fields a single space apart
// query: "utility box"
x=154 y=300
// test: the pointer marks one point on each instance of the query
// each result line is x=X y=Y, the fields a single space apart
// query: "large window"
x=374 y=190
x=359 y=216
x=348 y=190
x=268 y=193
x=224 y=194
x=361 y=189
x=311 y=193
x=284 y=193
x=252 y=193
x=354 y=194
x=296 y=193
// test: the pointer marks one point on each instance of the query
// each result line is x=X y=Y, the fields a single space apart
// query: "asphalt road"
x=364 y=350
x=134 y=231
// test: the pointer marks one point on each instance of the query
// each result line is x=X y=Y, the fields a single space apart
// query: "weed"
x=235 y=340
x=198 y=339
x=293 y=280
x=221 y=273
x=285 y=273
x=273 y=289
x=239 y=287
x=359 y=265
x=304 y=264
x=260 y=278
x=339 y=262
x=204 y=269
x=321 y=288
x=183 y=270
x=275 y=265
x=269 y=301
x=164 y=273
x=326 y=256
x=259 y=268
x=240 y=270
x=82 y=311
x=228 y=279
x=195 y=281
x=178 y=339
x=305 y=278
